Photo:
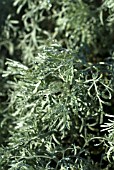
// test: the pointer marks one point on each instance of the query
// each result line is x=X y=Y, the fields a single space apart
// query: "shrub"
x=32 y=24
x=54 y=98
x=57 y=106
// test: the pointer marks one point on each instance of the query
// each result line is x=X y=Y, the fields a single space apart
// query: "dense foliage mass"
x=57 y=85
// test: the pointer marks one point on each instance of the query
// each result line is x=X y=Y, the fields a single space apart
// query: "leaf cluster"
x=56 y=105
x=56 y=88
